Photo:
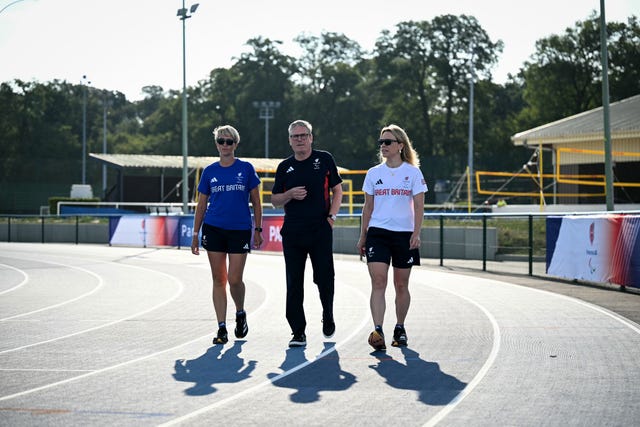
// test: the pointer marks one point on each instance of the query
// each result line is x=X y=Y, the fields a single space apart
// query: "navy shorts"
x=215 y=239
x=390 y=247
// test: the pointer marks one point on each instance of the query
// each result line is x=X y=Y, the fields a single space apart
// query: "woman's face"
x=226 y=144
x=393 y=147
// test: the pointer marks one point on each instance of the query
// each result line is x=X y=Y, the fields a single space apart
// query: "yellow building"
x=575 y=147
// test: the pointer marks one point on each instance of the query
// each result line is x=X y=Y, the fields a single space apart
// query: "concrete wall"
x=460 y=242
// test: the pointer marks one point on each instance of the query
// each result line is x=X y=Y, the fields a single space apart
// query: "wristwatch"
x=258 y=229
x=333 y=217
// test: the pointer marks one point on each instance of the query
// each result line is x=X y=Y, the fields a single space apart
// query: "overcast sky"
x=127 y=44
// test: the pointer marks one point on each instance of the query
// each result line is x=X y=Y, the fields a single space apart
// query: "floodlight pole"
x=608 y=170
x=85 y=82
x=106 y=103
x=183 y=15
x=266 y=112
x=470 y=144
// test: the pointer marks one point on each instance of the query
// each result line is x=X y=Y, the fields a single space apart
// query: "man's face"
x=300 y=140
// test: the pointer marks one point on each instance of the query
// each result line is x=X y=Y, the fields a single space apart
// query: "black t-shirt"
x=317 y=174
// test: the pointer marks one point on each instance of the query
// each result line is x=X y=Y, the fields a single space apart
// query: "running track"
x=97 y=335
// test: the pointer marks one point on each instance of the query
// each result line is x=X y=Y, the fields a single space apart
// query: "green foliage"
x=417 y=76
x=564 y=75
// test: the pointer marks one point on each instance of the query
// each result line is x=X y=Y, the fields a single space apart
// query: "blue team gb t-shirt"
x=228 y=189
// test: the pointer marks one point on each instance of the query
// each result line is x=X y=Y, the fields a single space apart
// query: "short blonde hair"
x=227 y=130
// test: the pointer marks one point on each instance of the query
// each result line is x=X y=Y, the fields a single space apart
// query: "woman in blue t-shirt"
x=225 y=188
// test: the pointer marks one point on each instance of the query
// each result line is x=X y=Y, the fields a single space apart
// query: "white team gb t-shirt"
x=393 y=190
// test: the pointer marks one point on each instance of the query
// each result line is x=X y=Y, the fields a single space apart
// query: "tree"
x=264 y=74
x=329 y=94
x=624 y=58
x=425 y=68
x=564 y=75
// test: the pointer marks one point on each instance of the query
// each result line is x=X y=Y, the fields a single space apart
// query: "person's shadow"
x=433 y=386
x=212 y=368
x=324 y=374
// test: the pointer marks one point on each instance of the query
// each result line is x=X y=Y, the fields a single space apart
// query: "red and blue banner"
x=597 y=248
x=146 y=230
x=157 y=230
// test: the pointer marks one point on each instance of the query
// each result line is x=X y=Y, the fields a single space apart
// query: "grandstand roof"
x=123 y=161
x=587 y=126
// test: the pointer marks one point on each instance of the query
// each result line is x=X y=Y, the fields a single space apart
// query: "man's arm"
x=281 y=199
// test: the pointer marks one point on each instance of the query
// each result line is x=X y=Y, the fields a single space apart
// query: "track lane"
x=480 y=352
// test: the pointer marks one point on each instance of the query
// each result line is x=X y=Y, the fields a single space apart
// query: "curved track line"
x=618 y=318
x=25 y=280
x=178 y=292
x=483 y=370
x=100 y=284
x=120 y=365
x=492 y=356
x=285 y=374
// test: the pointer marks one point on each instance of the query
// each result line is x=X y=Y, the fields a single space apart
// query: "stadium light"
x=85 y=83
x=266 y=111
x=183 y=16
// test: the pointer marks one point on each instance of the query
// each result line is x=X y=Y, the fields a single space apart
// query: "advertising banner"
x=144 y=230
x=155 y=230
x=597 y=248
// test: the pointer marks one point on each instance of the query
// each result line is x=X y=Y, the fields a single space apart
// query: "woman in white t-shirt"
x=391 y=221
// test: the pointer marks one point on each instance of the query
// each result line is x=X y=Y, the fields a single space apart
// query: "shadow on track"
x=433 y=386
x=324 y=374
x=212 y=368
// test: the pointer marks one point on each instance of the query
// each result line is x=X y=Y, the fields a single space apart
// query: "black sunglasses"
x=228 y=141
x=386 y=141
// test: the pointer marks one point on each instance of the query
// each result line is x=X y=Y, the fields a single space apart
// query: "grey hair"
x=303 y=123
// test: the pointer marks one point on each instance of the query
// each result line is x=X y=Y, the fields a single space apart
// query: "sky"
x=124 y=45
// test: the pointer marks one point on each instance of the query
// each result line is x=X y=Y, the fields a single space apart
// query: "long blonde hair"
x=408 y=153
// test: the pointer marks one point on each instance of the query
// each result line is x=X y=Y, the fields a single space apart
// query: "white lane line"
x=122 y=364
x=496 y=344
x=495 y=348
x=25 y=280
x=43 y=370
x=621 y=319
x=355 y=331
x=179 y=291
x=69 y=301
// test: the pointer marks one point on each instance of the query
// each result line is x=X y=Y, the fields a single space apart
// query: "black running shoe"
x=399 y=337
x=298 y=340
x=376 y=340
x=328 y=328
x=241 y=325
x=222 y=337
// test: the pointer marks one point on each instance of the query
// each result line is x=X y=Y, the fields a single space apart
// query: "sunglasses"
x=228 y=141
x=386 y=141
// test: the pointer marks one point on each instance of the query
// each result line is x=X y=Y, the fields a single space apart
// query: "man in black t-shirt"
x=309 y=187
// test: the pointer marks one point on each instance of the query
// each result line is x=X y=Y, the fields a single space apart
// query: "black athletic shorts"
x=390 y=247
x=215 y=239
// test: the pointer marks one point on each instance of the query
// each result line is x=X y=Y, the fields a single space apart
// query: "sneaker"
x=298 y=340
x=376 y=340
x=222 y=337
x=241 y=325
x=328 y=328
x=399 y=337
